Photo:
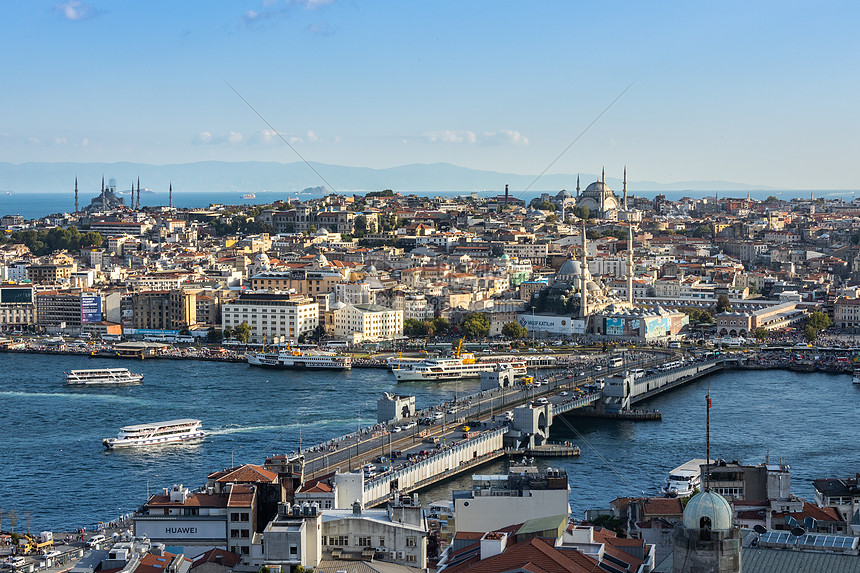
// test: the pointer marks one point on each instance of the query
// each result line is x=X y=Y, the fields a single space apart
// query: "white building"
x=272 y=317
x=359 y=322
x=399 y=532
x=497 y=501
x=355 y=293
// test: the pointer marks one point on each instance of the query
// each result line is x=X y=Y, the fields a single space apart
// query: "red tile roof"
x=151 y=563
x=535 y=556
x=216 y=555
x=249 y=473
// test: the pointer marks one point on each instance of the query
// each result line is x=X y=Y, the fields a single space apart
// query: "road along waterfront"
x=58 y=471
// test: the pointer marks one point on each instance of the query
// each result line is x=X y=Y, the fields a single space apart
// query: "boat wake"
x=245 y=429
x=71 y=395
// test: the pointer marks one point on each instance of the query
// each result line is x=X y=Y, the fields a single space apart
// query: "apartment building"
x=272 y=317
x=164 y=309
x=360 y=322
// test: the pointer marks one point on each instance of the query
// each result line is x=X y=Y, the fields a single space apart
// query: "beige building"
x=360 y=322
x=164 y=310
x=272 y=317
x=846 y=314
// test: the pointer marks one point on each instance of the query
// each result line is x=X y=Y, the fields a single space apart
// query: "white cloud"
x=202 y=138
x=34 y=140
x=312 y=4
x=60 y=141
x=265 y=137
x=504 y=137
x=313 y=137
x=85 y=142
x=75 y=10
x=235 y=138
x=450 y=136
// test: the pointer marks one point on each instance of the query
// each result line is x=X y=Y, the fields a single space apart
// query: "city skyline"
x=756 y=94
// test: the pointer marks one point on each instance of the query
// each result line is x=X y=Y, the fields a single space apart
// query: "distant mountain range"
x=253 y=176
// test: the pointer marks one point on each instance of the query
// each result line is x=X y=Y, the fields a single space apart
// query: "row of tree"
x=426 y=327
x=56 y=239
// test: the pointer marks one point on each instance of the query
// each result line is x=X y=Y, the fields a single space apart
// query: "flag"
x=709 y=402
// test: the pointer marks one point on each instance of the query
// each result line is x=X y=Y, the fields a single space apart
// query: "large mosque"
x=599 y=198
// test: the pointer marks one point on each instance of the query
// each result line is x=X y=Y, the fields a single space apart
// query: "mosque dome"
x=262 y=259
x=321 y=259
x=708 y=509
x=570 y=268
x=564 y=194
x=322 y=232
x=505 y=257
x=591 y=286
x=597 y=188
x=371 y=270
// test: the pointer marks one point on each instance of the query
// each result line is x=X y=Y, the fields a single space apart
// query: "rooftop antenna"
x=708 y=440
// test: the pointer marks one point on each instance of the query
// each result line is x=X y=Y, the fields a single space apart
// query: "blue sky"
x=755 y=92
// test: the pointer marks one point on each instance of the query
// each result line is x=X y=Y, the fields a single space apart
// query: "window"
x=411 y=541
x=234 y=516
x=381 y=542
x=234 y=533
x=364 y=542
x=294 y=550
x=339 y=540
x=412 y=558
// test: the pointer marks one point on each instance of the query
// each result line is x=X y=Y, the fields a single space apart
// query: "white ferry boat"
x=857 y=375
x=300 y=359
x=102 y=377
x=463 y=366
x=156 y=434
x=684 y=479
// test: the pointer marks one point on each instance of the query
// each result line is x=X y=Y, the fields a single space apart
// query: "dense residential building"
x=164 y=310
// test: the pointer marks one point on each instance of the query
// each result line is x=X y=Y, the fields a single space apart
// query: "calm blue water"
x=35 y=205
x=55 y=467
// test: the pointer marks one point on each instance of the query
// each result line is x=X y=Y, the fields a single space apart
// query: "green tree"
x=551 y=218
x=771 y=199
x=610 y=522
x=476 y=325
x=514 y=330
x=723 y=304
x=441 y=326
x=815 y=322
x=214 y=336
x=761 y=333
x=383 y=193
x=583 y=212
x=242 y=332
x=360 y=225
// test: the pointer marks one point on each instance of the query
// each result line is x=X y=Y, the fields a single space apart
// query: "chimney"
x=356 y=507
x=493 y=543
x=506 y=193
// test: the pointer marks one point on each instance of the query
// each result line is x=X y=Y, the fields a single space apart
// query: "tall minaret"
x=583 y=291
x=603 y=176
x=630 y=266
x=76 y=194
x=171 y=195
x=138 y=193
x=103 y=193
x=577 y=184
x=625 y=187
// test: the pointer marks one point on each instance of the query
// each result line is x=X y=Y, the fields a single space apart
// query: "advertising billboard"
x=562 y=325
x=180 y=529
x=10 y=295
x=91 y=309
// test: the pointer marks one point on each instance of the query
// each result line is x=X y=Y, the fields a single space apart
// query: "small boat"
x=684 y=479
x=857 y=375
x=102 y=377
x=156 y=434
x=248 y=196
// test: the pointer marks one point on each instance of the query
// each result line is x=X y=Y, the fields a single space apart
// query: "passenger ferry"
x=857 y=375
x=156 y=434
x=684 y=479
x=457 y=368
x=102 y=377
x=300 y=359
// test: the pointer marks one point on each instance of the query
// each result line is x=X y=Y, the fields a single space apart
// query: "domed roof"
x=570 y=267
x=564 y=194
x=505 y=257
x=262 y=258
x=597 y=187
x=710 y=505
x=591 y=286
x=321 y=259
x=322 y=232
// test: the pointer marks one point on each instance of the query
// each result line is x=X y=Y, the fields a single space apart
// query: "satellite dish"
x=797 y=531
x=759 y=528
